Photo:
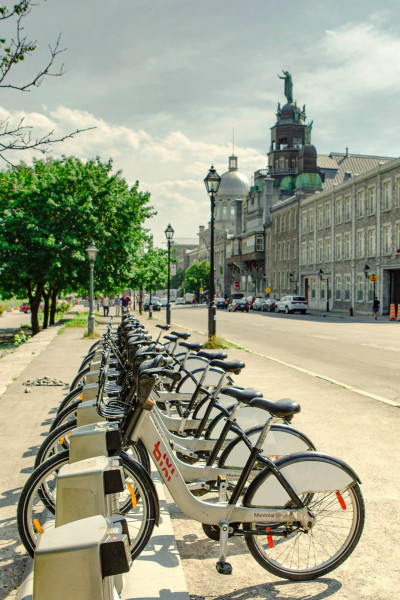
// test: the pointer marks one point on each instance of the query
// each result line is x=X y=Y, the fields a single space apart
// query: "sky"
x=165 y=83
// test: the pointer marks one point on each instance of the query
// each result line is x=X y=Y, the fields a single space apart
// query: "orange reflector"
x=269 y=538
x=80 y=397
x=133 y=495
x=38 y=526
x=62 y=440
x=341 y=501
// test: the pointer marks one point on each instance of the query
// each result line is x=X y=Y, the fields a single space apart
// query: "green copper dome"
x=308 y=181
x=287 y=183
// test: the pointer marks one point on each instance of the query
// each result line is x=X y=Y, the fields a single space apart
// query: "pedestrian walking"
x=125 y=303
x=375 y=308
x=105 y=302
x=118 y=306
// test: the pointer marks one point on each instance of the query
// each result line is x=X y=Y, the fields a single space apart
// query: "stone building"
x=347 y=233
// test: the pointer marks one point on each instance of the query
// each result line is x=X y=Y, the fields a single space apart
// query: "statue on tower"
x=288 y=85
x=308 y=133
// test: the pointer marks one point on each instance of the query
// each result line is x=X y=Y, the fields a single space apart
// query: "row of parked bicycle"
x=300 y=512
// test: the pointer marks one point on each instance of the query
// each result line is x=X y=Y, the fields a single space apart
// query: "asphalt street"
x=363 y=354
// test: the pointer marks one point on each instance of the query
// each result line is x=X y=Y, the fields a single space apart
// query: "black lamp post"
x=366 y=272
x=169 y=234
x=212 y=182
x=92 y=253
x=321 y=274
x=291 y=279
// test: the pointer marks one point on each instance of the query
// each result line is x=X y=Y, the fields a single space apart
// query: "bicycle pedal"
x=223 y=568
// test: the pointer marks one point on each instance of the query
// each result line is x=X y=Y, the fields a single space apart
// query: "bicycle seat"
x=281 y=408
x=165 y=327
x=191 y=346
x=244 y=395
x=170 y=338
x=183 y=336
x=212 y=355
x=229 y=366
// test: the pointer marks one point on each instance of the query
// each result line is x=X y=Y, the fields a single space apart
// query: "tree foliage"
x=49 y=215
x=150 y=271
x=178 y=279
x=197 y=276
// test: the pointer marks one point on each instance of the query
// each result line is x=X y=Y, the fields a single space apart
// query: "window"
x=370 y=291
x=338 y=212
x=371 y=204
x=304 y=222
x=294 y=249
x=338 y=287
x=328 y=214
x=360 y=244
x=320 y=251
x=283 y=218
x=311 y=253
x=288 y=250
x=398 y=192
x=347 y=208
x=387 y=246
x=310 y=220
x=387 y=195
x=338 y=247
x=371 y=242
x=313 y=288
x=398 y=236
x=360 y=205
x=322 y=289
x=320 y=217
x=279 y=252
x=224 y=211
x=347 y=246
x=297 y=143
x=259 y=243
x=304 y=253
x=327 y=249
x=236 y=247
x=360 y=288
x=347 y=287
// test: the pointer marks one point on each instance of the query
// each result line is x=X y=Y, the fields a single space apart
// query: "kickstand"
x=223 y=567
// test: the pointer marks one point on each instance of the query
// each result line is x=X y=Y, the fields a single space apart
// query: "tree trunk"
x=53 y=307
x=34 y=301
x=46 y=312
x=140 y=300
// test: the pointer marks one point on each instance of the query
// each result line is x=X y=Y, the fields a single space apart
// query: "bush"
x=21 y=338
x=63 y=307
x=2 y=309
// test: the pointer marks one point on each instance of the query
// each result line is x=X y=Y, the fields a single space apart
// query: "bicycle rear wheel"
x=36 y=507
x=286 y=550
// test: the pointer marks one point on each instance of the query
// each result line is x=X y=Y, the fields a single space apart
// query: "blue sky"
x=165 y=81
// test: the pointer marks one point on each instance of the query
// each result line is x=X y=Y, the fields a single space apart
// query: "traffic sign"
x=201 y=289
x=373 y=277
x=267 y=289
x=237 y=285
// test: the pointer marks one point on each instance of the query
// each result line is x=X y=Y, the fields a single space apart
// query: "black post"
x=168 y=313
x=211 y=307
x=327 y=294
x=150 y=307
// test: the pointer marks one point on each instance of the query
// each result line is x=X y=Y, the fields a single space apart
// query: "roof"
x=340 y=166
x=233 y=185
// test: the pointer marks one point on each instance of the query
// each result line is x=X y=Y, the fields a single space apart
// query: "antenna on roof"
x=233 y=141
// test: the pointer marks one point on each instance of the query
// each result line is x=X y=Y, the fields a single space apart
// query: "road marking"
x=391 y=348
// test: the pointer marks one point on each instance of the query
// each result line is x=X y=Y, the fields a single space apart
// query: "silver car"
x=291 y=304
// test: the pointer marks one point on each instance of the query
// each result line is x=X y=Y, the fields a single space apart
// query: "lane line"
x=318 y=376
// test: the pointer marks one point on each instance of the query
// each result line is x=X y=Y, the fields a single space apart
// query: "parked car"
x=258 y=304
x=155 y=302
x=221 y=303
x=180 y=301
x=251 y=300
x=164 y=302
x=239 y=305
x=25 y=308
x=269 y=305
x=291 y=304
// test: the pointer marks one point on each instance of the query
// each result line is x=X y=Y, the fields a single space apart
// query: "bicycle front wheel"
x=36 y=507
x=286 y=550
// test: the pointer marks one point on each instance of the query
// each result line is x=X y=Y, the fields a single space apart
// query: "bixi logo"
x=161 y=459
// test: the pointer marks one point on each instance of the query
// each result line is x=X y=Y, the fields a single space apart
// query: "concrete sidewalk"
x=24 y=421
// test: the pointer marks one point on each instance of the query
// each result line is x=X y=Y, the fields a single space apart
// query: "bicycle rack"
x=83 y=560
x=98 y=439
x=87 y=488
x=87 y=414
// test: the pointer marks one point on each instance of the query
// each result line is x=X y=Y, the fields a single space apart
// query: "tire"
x=87 y=360
x=79 y=379
x=70 y=398
x=287 y=311
x=56 y=442
x=94 y=346
x=36 y=507
x=327 y=545
x=65 y=415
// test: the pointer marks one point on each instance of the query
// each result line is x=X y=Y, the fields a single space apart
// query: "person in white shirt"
x=105 y=302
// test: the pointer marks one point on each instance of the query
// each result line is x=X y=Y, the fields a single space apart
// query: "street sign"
x=201 y=289
x=373 y=277
x=237 y=285
x=267 y=289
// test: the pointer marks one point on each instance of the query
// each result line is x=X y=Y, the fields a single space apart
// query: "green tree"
x=197 y=276
x=150 y=271
x=49 y=215
x=177 y=279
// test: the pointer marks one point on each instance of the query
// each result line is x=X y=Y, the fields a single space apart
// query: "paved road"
x=359 y=353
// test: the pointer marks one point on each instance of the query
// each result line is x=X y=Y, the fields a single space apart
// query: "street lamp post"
x=366 y=273
x=169 y=234
x=212 y=182
x=92 y=253
x=321 y=274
